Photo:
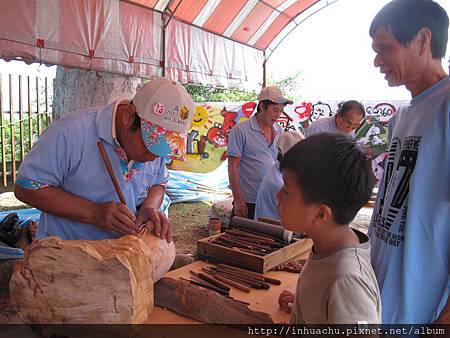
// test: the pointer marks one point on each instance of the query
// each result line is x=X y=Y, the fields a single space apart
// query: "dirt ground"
x=189 y=221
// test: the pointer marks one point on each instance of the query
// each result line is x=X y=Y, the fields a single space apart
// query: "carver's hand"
x=240 y=208
x=286 y=298
x=163 y=228
x=115 y=217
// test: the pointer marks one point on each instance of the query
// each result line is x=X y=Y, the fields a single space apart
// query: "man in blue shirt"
x=410 y=226
x=64 y=175
x=346 y=121
x=252 y=150
x=266 y=204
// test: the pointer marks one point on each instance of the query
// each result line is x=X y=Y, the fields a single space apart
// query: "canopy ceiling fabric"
x=208 y=42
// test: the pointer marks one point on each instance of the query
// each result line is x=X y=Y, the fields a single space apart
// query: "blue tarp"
x=186 y=186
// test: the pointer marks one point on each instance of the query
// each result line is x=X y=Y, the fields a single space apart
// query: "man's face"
x=350 y=121
x=271 y=114
x=135 y=148
x=400 y=65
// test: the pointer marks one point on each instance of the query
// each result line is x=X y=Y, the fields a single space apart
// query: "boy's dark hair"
x=404 y=19
x=346 y=106
x=331 y=169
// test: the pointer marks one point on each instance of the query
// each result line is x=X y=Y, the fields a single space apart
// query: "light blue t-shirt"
x=67 y=156
x=325 y=125
x=248 y=143
x=410 y=227
x=266 y=203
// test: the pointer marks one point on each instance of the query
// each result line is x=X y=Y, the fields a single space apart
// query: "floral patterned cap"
x=163 y=142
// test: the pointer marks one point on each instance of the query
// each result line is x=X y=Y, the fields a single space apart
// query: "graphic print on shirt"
x=390 y=218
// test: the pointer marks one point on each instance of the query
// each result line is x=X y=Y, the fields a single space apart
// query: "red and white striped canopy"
x=209 y=42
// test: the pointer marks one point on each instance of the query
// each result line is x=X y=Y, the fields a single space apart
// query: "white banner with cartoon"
x=208 y=135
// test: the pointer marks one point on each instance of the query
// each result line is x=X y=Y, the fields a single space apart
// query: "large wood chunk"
x=78 y=281
x=204 y=305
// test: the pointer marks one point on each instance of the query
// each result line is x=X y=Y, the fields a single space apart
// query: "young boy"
x=327 y=179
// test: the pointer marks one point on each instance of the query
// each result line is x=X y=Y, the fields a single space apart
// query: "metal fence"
x=25 y=111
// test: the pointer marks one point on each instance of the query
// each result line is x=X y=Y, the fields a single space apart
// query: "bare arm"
x=240 y=208
x=149 y=211
x=111 y=216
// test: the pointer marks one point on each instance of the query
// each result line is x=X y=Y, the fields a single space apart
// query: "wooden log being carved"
x=162 y=253
x=204 y=305
x=78 y=281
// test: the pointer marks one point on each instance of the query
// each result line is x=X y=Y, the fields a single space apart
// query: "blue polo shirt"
x=266 y=202
x=257 y=155
x=67 y=156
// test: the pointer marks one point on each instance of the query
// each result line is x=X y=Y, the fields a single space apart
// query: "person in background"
x=65 y=177
x=345 y=121
x=327 y=179
x=252 y=150
x=410 y=226
x=272 y=182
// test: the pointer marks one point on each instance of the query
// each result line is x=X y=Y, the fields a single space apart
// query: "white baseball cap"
x=166 y=111
x=274 y=94
x=166 y=103
x=288 y=139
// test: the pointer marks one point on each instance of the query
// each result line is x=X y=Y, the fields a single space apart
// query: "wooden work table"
x=261 y=301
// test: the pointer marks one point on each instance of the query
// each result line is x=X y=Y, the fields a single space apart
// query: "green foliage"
x=209 y=94
x=289 y=85
x=26 y=136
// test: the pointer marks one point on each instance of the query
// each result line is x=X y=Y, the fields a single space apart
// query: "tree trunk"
x=76 y=89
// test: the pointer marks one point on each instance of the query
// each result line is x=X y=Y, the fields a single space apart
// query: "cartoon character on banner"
x=200 y=117
x=372 y=135
x=244 y=112
x=218 y=134
x=320 y=110
x=303 y=113
x=197 y=146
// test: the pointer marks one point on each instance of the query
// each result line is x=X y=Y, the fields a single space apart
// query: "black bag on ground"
x=10 y=229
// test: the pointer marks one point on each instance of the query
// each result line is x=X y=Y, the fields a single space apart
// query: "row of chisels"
x=222 y=278
x=249 y=241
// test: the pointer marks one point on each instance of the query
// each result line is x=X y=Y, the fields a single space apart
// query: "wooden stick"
x=234 y=278
x=206 y=286
x=248 y=238
x=210 y=280
x=110 y=171
x=252 y=252
x=226 y=280
x=240 y=279
x=230 y=282
x=244 y=241
x=237 y=300
x=252 y=273
x=251 y=235
x=253 y=281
